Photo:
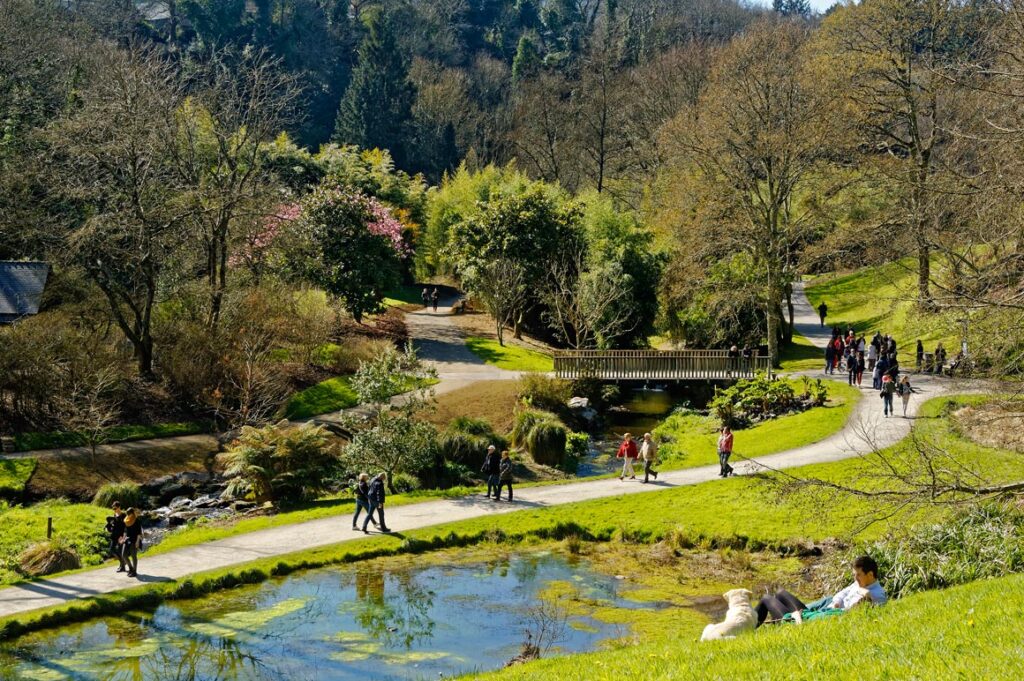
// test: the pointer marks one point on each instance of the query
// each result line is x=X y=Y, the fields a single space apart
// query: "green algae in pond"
x=235 y=623
x=350 y=622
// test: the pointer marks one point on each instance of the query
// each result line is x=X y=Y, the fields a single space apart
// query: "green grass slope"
x=14 y=475
x=509 y=357
x=967 y=632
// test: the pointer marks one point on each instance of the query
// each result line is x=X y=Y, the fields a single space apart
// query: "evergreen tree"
x=377 y=106
x=527 y=61
x=792 y=8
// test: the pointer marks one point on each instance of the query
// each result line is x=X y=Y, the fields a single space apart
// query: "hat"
x=490 y=448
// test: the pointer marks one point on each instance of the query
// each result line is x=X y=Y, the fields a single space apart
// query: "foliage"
x=758 y=397
x=48 y=557
x=25 y=442
x=280 y=462
x=577 y=446
x=542 y=434
x=351 y=246
x=128 y=494
x=544 y=392
x=396 y=443
x=465 y=441
x=977 y=543
x=406 y=482
x=350 y=352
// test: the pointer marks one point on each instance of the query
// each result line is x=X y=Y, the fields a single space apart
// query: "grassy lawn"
x=334 y=394
x=801 y=355
x=882 y=298
x=26 y=442
x=967 y=632
x=510 y=357
x=81 y=524
x=492 y=401
x=405 y=297
x=691 y=440
x=14 y=474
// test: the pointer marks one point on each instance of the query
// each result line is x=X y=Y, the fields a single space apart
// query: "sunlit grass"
x=510 y=357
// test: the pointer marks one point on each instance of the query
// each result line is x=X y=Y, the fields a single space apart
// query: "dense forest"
x=593 y=172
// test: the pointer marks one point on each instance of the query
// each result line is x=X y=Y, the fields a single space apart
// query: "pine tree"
x=527 y=60
x=377 y=107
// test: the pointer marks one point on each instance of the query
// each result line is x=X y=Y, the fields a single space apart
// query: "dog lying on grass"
x=740 y=618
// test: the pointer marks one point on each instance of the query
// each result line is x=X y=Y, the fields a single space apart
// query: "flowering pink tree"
x=252 y=252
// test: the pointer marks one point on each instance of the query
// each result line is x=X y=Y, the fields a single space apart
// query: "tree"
x=503 y=289
x=792 y=8
x=351 y=247
x=88 y=405
x=754 y=138
x=527 y=61
x=397 y=441
x=377 y=106
x=117 y=201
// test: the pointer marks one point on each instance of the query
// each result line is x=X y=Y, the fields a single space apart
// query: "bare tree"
x=88 y=406
x=587 y=306
x=503 y=288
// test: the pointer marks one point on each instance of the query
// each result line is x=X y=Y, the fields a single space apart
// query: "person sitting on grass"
x=865 y=588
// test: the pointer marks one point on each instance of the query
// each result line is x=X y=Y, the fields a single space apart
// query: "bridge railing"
x=657 y=365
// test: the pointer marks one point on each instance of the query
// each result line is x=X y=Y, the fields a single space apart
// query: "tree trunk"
x=771 y=309
x=790 y=330
x=391 y=484
x=924 y=272
x=144 y=354
x=501 y=332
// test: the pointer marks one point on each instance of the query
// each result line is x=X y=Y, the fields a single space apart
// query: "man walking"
x=505 y=476
x=115 y=530
x=376 y=495
x=434 y=297
x=492 y=469
x=822 y=312
x=649 y=453
x=362 y=492
x=426 y=297
x=888 y=390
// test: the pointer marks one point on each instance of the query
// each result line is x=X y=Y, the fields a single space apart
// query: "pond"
x=362 y=621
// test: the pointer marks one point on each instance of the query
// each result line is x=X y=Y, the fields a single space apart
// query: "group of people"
x=856 y=354
x=629 y=452
x=430 y=297
x=124 y=530
x=498 y=470
x=370 y=495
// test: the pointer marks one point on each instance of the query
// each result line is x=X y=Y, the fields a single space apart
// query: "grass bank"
x=509 y=357
x=690 y=440
x=335 y=394
x=26 y=442
x=14 y=475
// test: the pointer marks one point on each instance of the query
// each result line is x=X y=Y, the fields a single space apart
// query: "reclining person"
x=865 y=588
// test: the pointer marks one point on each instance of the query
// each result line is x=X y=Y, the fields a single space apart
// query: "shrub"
x=281 y=462
x=465 y=442
x=761 y=396
x=546 y=442
x=352 y=351
x=127 y=493
x=48 y=557
x=524 y=422
x=405 y=482
x=544 y=392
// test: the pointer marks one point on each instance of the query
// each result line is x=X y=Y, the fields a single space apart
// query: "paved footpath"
x=440 y=342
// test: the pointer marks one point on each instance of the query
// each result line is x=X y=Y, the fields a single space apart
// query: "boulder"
x=173 y=490
x=579 y=403
x=242 y=506
x=154 y=486
x=178 y=503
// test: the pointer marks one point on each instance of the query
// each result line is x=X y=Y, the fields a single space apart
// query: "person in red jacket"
x=724 y=452
x=628 y=452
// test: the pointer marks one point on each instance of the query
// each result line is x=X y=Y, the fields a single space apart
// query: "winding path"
x=440 y=342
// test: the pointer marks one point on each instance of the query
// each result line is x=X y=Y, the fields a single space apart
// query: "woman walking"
x=904 y=390
x=132 y=541
x=888 y=390
x=649 y=453
x=505 y=476
x=115 y=531
x=627 y=452
x=362 y=492
x=852 y=368
x=724 y=452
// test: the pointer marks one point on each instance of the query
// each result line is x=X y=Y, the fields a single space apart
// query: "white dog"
x=740 y=618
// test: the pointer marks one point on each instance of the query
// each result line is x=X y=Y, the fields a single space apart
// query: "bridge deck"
x=675 y=365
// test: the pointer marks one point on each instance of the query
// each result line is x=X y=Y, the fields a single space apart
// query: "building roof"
x=21 y=287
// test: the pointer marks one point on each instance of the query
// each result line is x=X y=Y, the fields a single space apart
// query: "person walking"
x=940 y=358
x=627 y=452
x=376 y=495
x=426 y=297
x=505 y=475
x=872 y=356
x=822 y=312
x=920 y=355
x=362 y=492
x=434 y=296
x=888 y=390
x=649 y=453
x=860 y=368
x=492 y=469
x=830 y=355
x=115 y=531
x=852 y=367
x=880 y=368
x=904 y=390
x=131 y=541
x=724 y=452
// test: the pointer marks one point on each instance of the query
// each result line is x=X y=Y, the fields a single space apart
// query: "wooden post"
x=49 y=527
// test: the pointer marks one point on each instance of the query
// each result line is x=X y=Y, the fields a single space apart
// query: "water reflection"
x=344 y=623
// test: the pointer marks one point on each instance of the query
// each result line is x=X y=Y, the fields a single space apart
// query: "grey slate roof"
x=21 y=288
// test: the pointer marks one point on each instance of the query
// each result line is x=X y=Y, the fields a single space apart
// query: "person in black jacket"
x=131 y=541
x=376 y=496
x=362 y=492
x=505 y=476
x=115 y=530
x=492 y=469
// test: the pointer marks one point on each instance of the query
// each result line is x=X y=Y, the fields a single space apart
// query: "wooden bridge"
x=655 y=365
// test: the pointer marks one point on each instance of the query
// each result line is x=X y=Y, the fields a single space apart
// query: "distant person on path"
x=888 y=390
x=880 y=368
x=426 y=297
x=904 y=390
x=131 y=542
x=377 y=496
x=852 y=368
x=865 y=588
x=505 y=476
x=492 y=469
x=920 y=355
x=940 y=358
x=362 y=492
x=724 y=452
x=872 y=356
x=434 y=297
x=748 y=356
x=734 y=360
x=649 y=453
x=830 y=356
x=823 y=312
x=627 y=452
x=115 y=531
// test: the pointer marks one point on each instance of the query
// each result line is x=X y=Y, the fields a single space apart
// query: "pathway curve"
x=286 y=539
x=806 y=319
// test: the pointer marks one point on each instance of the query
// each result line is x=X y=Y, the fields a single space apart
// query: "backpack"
x=109 y=527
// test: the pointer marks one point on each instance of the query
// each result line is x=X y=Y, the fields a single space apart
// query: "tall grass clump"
x=980 y=543
x=352 y=351
x=48 y=557
x=127 y=493
x=546 y=442
x=544 y=392
x=466 y=439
